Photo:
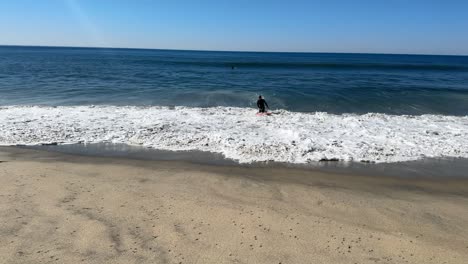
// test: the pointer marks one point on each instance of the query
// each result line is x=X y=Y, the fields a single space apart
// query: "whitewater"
x=239 y=134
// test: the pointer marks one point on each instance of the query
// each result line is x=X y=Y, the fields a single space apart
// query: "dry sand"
x=69 y=209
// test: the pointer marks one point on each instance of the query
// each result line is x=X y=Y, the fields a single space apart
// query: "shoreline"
x=63 y=208
x=442 y=168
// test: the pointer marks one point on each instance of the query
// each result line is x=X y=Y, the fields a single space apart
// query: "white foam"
x=241 y=135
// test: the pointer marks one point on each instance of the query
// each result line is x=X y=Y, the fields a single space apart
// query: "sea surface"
x=346 y=107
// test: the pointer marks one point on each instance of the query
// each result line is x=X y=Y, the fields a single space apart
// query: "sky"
x=363 y=26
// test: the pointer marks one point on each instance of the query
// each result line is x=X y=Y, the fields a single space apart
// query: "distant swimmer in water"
x=261 y=104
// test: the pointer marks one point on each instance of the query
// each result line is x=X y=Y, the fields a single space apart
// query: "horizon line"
x=234 y=51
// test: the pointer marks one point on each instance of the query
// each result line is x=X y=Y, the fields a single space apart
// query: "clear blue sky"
x=377 y=26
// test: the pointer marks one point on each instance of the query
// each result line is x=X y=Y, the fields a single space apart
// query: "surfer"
x=261 y=103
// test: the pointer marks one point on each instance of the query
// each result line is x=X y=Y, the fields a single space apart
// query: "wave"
x=311 y=65
x=239 y=134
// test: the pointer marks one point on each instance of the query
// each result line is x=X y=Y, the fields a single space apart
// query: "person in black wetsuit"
x=261 y=104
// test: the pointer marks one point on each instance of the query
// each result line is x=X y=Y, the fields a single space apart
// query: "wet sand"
x=59 y=208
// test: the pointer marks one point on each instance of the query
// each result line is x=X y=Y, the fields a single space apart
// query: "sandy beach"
x=57 y=208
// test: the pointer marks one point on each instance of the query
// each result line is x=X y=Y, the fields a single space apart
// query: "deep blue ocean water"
x=303 y=82
x=347 y=107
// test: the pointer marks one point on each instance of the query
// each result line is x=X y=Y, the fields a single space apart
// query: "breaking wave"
x=239 y=134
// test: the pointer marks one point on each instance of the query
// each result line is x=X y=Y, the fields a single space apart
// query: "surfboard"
x=264 y=114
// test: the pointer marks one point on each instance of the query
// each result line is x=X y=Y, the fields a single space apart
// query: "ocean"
x=345 y=107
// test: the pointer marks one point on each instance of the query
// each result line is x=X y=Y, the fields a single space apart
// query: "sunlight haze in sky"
x=367 y=26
